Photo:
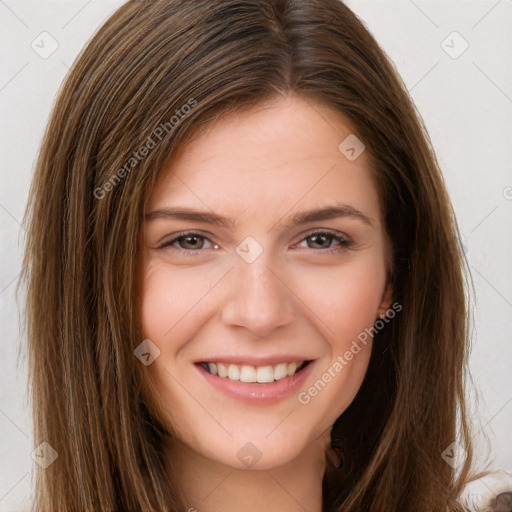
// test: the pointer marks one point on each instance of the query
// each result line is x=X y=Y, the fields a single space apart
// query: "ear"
x=385 y=304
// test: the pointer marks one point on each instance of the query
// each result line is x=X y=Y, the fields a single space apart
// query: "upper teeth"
x=247 y=373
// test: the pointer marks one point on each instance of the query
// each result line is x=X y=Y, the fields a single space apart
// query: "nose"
x=258 y=298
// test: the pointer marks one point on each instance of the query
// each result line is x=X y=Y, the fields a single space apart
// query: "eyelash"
x=344 y=243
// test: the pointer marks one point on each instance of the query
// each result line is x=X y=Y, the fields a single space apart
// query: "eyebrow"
x=304 y=217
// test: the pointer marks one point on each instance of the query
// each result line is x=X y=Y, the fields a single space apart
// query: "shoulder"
x=480 y=495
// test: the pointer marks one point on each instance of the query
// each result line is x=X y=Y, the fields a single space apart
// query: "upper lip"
x=255 y=360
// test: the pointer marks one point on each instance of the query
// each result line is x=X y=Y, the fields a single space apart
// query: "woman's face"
x=244 y=280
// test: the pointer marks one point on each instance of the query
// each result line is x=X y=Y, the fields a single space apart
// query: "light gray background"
x=465 y=101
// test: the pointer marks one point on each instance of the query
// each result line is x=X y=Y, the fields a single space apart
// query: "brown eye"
x=190 y=240
x=186 y=242
x=322 y=240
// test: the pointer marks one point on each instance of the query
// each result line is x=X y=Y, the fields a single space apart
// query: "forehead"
x=272 y=156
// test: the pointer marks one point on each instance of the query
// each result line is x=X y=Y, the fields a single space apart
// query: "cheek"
x=169 y=299
x=170 y=302
x=157 y=309
x=358 y=301
x=344 y=299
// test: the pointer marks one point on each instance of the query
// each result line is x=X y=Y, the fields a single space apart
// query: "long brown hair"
x=150 y=77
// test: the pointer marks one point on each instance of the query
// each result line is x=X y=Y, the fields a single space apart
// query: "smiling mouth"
x=259 y=374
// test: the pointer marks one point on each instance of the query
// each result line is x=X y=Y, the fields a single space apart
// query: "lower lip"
x=255 y=392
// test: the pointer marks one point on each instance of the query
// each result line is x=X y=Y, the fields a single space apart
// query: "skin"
x=258 y=167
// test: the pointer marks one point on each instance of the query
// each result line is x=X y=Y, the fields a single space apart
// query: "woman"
x=254 y=370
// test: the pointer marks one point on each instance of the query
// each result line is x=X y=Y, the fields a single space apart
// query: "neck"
x=207 y=485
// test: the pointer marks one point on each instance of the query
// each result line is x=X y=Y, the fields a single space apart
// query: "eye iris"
x=190 y=237
x=317 y=236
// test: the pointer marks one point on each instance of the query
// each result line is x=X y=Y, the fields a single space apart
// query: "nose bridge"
x=257 y=299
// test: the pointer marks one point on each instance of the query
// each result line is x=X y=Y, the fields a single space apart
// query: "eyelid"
x=182 y=234
x=345 y=241
x=334 y=233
